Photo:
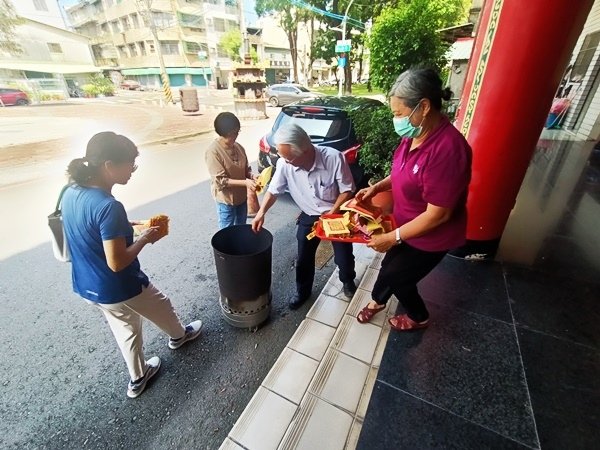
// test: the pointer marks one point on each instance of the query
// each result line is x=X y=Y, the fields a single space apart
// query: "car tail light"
x=312 y=109
x=351 y=154
x=263 y=145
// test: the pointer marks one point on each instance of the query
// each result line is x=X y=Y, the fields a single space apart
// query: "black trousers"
x=307 y=250
x=401 y=269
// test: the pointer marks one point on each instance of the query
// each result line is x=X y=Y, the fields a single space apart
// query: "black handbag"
x=60 y=247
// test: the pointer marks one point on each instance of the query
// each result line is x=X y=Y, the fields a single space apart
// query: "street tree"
x=9 y=20
x=231 y=42
x=406 y=36
x=289 y=17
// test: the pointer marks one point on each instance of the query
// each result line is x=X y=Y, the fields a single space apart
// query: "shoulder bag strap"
x=60 y=196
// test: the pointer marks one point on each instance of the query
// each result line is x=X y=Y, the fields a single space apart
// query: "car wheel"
x=273 y=101
x=22 y=102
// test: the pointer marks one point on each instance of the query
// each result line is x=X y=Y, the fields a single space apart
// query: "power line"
x=350 y=20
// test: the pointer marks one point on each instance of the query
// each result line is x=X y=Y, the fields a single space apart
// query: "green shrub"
x=375 y=130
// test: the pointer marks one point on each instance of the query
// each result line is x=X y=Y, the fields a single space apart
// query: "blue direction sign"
x=341 y=62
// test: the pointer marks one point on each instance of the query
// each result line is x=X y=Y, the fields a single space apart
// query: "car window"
x=320 y=129
x=303 y=89
x=288 y=89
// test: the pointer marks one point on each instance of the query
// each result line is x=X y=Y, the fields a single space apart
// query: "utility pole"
x=149 y=22
x=243 y=48
x=343 y=77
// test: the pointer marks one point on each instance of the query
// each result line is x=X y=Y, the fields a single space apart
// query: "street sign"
x=341 y=62
x=343 y=45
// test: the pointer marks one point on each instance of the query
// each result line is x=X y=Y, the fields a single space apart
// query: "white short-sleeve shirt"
x=314 y=190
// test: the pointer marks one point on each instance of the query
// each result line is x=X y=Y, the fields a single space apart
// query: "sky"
x=251 y=16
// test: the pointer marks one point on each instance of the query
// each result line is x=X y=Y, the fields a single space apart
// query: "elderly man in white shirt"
x=319 y=180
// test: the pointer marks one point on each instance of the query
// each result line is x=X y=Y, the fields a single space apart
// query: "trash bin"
x=243 y=261
x=189 y=99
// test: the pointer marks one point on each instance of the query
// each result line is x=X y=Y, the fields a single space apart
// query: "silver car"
x=282 y=94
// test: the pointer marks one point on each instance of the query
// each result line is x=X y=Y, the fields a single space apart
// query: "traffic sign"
x=341 y=62
x=343 y=45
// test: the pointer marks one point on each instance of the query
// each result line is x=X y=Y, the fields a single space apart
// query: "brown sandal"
x=366 y=314
x=405 y=323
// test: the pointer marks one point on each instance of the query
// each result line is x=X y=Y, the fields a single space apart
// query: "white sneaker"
x=135 y=389
x=192 y=331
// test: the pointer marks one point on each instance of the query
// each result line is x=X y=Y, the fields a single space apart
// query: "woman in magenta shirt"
x=430 y=175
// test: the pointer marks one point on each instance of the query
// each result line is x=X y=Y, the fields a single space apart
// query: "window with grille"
x=132 y=50
x=584 y=58
x=150 y=46
x=122 y=51
x=54 y=47
x=142 y=46
x=40 y=5
x=169 y=47
x=163 y=19
x=192 y=47
x=191 y=21
x=135 y=20
x=219 y=25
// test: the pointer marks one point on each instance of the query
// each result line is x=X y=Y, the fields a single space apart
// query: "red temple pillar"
x=518 y=59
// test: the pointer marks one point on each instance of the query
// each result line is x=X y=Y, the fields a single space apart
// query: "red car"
x=10 y=96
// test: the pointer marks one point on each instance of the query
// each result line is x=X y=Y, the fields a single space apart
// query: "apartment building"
x=51 y=58
x=188 y=32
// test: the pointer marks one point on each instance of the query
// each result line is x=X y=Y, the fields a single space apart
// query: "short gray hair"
x=414 y=85
x=293 y=135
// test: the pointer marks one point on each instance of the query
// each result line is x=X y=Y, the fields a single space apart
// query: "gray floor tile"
x=466 y=364
x=396 y=420
x=476 y=286
x=561 y=307
x=564 y=385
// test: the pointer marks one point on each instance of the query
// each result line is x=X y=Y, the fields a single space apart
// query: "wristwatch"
x=398 y=238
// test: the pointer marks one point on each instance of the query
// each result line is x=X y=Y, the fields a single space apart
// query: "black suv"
x=327 y=123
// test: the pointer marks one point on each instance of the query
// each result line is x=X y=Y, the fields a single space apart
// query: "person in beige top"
x=229 y=171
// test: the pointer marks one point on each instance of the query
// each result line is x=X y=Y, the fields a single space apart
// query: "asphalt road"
x=63 y=381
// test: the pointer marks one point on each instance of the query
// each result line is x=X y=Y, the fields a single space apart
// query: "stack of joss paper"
x=359 y=220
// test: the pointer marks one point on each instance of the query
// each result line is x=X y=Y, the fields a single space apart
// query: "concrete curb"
x=175 y=138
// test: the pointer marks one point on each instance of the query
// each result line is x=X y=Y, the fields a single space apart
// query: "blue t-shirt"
x=90 y=216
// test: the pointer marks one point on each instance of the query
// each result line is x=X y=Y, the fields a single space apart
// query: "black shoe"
x=349 y=289
x=298 y=301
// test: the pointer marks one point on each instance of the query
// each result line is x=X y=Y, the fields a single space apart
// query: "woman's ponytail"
x=80 y=171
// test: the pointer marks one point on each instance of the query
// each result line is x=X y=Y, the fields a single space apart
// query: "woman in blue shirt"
x=105 y=268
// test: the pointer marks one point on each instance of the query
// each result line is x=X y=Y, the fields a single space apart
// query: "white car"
x=283 y=94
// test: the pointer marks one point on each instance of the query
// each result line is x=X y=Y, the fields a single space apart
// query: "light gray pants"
x=125 y=321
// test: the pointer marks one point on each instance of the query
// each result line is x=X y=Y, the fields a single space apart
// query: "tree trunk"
x=293 y=41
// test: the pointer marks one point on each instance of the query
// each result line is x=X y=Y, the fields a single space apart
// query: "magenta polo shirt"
x=436 y=172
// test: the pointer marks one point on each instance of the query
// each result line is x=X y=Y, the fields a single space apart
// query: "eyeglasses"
x=289 y=161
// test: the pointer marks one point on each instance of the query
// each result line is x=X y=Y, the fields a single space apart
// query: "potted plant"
x=375 y=131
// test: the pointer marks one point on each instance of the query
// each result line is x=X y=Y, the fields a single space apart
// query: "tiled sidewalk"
x=317 y=392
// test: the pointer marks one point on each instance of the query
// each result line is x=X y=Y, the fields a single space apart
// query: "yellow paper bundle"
x=263 y=179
